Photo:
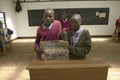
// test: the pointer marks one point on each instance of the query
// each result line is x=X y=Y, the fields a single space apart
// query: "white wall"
x=19 y=21
x=7 y=7
x=26 y=31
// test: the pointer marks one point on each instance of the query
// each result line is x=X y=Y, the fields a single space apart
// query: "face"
x=63 y=15
x=75 y=24
x=48 y=17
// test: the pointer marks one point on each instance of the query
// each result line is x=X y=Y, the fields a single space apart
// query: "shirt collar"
x=79 y=30
x=76 y=36
x=65 y=20
x=44 y=27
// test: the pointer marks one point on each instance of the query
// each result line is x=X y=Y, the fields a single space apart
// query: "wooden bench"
x=87 y=69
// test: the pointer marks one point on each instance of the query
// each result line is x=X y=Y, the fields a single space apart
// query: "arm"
x=63 y=36
x=116 y=24
x=37 y=40
x=59 y=29
x=38 y=50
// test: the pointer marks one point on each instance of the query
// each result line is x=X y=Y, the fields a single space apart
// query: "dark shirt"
x=66 y=24
x=118 y=23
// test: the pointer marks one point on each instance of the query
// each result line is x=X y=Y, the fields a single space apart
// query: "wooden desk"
x=88 y=69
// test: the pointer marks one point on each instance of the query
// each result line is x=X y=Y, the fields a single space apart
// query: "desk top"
x=87 y=62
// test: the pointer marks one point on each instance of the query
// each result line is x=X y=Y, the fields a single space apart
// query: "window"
x=2 y=20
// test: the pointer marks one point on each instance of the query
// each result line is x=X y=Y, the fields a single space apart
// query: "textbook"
x=55 y=50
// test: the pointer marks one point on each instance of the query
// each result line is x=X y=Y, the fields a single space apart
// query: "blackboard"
x=90 y=16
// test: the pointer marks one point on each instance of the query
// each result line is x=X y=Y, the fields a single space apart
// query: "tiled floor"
x=13 y=64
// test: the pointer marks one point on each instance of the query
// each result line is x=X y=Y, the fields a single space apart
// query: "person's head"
x=75 y=22
x=63 y=15
x=48 y=16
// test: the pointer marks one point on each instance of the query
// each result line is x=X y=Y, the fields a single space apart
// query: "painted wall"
x=22 y=18
x=11 y=21
x=21 y=27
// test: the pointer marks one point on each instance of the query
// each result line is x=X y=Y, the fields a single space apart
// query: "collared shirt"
x=66 y=24
x=76 y=36
x=45 y=27
x=46 y=35
x=118 y=23
x=65 y=20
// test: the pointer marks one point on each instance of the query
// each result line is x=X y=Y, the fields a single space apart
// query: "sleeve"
x=116 y=24
x=68 y=29
x=84 y=48
x=59 y=29
x=37 y=40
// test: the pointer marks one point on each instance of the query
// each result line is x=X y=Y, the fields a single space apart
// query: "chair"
x=6 y=43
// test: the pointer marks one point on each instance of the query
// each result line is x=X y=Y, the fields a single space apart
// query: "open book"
x=55 y=50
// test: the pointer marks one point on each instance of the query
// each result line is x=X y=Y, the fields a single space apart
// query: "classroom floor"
x=13 y=64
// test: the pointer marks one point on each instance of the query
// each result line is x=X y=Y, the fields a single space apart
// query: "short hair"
x=49 y=10
x=77 y=17
x=64 y=11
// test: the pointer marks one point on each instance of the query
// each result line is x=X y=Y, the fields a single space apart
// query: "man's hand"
x=39 y=50
x=69 y=47
x=64 y=29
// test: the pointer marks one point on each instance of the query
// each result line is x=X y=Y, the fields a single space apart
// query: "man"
x=117 y=29
x=79 y=39
x=50 y=29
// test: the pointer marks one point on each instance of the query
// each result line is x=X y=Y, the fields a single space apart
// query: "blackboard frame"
x=90 y=16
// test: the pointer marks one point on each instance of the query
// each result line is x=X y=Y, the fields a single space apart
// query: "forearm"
x=37 y=41
x=79 y=51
